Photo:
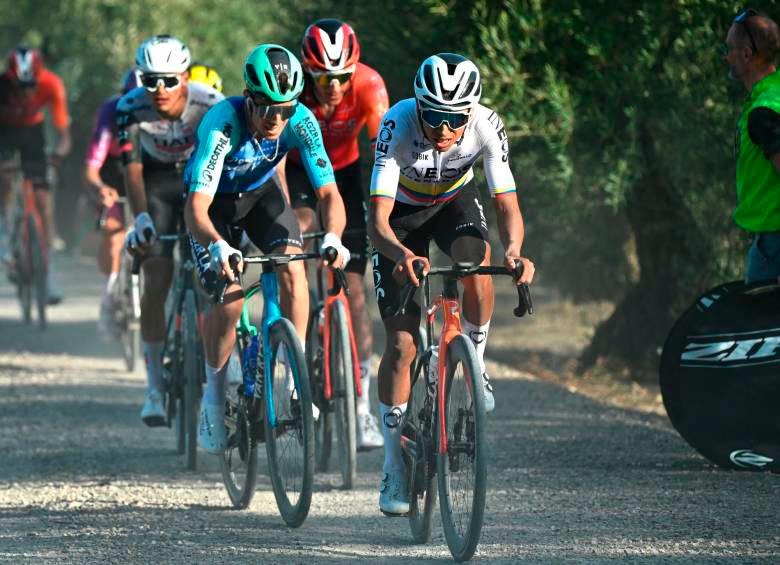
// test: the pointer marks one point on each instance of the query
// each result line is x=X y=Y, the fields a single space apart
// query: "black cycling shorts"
x=165 y=201
x=416 y=226
x=29 y=142
x=351 y=190
x=263 y=213
x=111 y=174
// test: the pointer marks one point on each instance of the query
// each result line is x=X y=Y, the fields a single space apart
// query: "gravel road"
x=571 y=480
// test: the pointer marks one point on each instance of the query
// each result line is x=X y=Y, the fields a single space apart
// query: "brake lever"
x=330 y=255
x=525 y=303
x=222 y=285
x=408 y=290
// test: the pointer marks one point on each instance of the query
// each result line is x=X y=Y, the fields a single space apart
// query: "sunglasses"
x=742 y=19
x=152 y=82
x=324 y=79
x=270 y=111
x=435 y=118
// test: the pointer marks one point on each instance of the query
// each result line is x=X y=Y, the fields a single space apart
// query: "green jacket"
x=758 y=183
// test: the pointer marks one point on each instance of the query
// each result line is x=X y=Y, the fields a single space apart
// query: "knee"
x=401 y=348
x=471 y=250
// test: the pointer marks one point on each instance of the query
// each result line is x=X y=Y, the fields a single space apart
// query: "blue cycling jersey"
x=228 y=159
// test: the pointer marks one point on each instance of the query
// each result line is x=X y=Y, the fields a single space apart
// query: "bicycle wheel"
x=191 y=371
x=343 y=388
x=417 y=439
x=323 y=427
x=463 y=468
x=239 y=460
x=22 y=275
x=129 y=323
x=38 y=270
x=289 y=438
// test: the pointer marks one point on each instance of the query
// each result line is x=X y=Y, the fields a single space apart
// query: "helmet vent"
x=252 y=74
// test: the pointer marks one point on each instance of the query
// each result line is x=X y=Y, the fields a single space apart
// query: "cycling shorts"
x=111 y=174
x=416 y=226
x=351 y=190
x=263 y=213
x=165 y=202
x=29 y=142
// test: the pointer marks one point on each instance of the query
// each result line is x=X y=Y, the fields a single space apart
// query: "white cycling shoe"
x=212 y=435
x=153 y=412
x=368 y=434
x=393 y=495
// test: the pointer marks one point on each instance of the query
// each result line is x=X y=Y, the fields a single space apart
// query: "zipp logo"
x=748 y=459
x=732 y=352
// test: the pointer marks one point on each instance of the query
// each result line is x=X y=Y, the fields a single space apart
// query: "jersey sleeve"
x=100 y=142
x=495 y=154
x=128 y=132
x=386 y=172
x=764 y=130
x=375 y=103
x=306 y=136
x=58 y=101
x=218 y=133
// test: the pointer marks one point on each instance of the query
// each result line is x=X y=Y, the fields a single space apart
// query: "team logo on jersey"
x=308 y=133
x=321 y=163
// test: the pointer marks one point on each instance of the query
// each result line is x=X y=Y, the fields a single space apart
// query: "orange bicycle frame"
x=330 y=300
x=30 y=209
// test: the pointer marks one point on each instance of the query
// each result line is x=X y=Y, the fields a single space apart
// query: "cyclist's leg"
x=469 y=242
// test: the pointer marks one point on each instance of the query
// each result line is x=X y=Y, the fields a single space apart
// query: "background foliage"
x=620 y=115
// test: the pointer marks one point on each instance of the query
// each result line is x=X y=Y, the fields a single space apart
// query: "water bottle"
x=433 y=372
x=249 y=366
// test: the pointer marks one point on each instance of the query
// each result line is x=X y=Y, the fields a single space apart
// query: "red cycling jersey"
x=18 y=110
x=363 y=104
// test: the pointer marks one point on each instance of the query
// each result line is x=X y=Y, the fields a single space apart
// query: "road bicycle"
x=331 y=356
x=273 y=403
x=126 y=298
x=444 y=430
x=30 y=257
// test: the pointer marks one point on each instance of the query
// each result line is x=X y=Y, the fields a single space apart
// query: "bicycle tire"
x=462 y=529
x=420 y=462
x=191 y=371
x=343 y=387
x=291 y=415
x=23 y=285
x=323 y=427
x=239 y=460
x=38 y=277
x=130 y=334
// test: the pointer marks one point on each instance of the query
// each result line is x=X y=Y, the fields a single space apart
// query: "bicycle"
x=452 y=400
x=272 y=405
x=30 y=256
x=126 y=298
x=331 y=355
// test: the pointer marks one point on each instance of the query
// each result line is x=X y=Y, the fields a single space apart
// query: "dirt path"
x=571 y=480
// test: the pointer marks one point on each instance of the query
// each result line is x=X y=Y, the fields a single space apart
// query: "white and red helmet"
x=25 y=64
x=330 y=46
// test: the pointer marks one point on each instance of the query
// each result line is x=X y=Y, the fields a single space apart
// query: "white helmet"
x=448 y=82
x=162 y=54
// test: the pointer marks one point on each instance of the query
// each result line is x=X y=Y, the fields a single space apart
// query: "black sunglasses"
x=435 y=118
x=742 y=19
x=270 y=111
x=152 y=82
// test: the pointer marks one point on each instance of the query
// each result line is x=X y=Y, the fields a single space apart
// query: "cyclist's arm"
x=280 y=177
x=135 y=188
x=60 y=117
x=375 y=106
x=332 y=208
x=130 y=141
x=385 y=242
x=196 y=215
x=63 y=142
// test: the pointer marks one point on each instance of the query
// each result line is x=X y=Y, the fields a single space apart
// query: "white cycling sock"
x=363 y=402
x=109 y=287
x=215 y=385
x=478 y=336
x=392 y=416
x=153 y=358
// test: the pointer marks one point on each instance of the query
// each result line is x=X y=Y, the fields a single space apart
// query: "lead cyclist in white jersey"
x=422 y=189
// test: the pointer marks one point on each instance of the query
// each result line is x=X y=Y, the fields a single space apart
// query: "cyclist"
x=205 y=74
x=26 y=88
x=344 y=96
x=157 y=126
x=232 y=188
x=103 y=177
x=421 y=189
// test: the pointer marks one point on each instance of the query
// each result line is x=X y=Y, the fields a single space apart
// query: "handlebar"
x=330 y=255
x=223 y=282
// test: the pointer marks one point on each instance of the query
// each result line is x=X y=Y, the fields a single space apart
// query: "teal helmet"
x=273 y=71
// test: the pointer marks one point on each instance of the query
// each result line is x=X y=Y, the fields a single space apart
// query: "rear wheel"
x=323 y=427
x=463 y=468
x=289 y=429
x=239 y=460
x=192 y=368
x=128 y=317
x=343 y=394
x=38 y=271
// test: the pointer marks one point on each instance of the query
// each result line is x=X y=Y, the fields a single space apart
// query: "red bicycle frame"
x=30 y=209
x=330 y=300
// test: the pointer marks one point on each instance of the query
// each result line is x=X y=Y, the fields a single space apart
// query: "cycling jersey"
x=229 y=159
x=409 y=170
x=153 y=140
x=24 y=110
x=366 y=97
x=105 y=141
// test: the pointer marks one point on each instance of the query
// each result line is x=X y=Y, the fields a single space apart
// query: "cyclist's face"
x=332 y=93
x=442 y=138
x=166 y=100
x=267 y=119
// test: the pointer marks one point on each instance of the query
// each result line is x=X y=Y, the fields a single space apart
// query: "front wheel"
x=342 y=376
x=192 y=368
x=462 y=468
x=289 y=424
x=39 y=269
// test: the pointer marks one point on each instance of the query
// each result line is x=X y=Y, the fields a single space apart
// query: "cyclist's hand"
x=221 y=252
x=332 y=240
x=511 y=260
x=55 y=160
x=403 y=271
x=132 y=245
x=146 y=234
x=108 y=196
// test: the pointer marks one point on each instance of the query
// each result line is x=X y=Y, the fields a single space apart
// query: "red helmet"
x=25 y=64
x=330 y=46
